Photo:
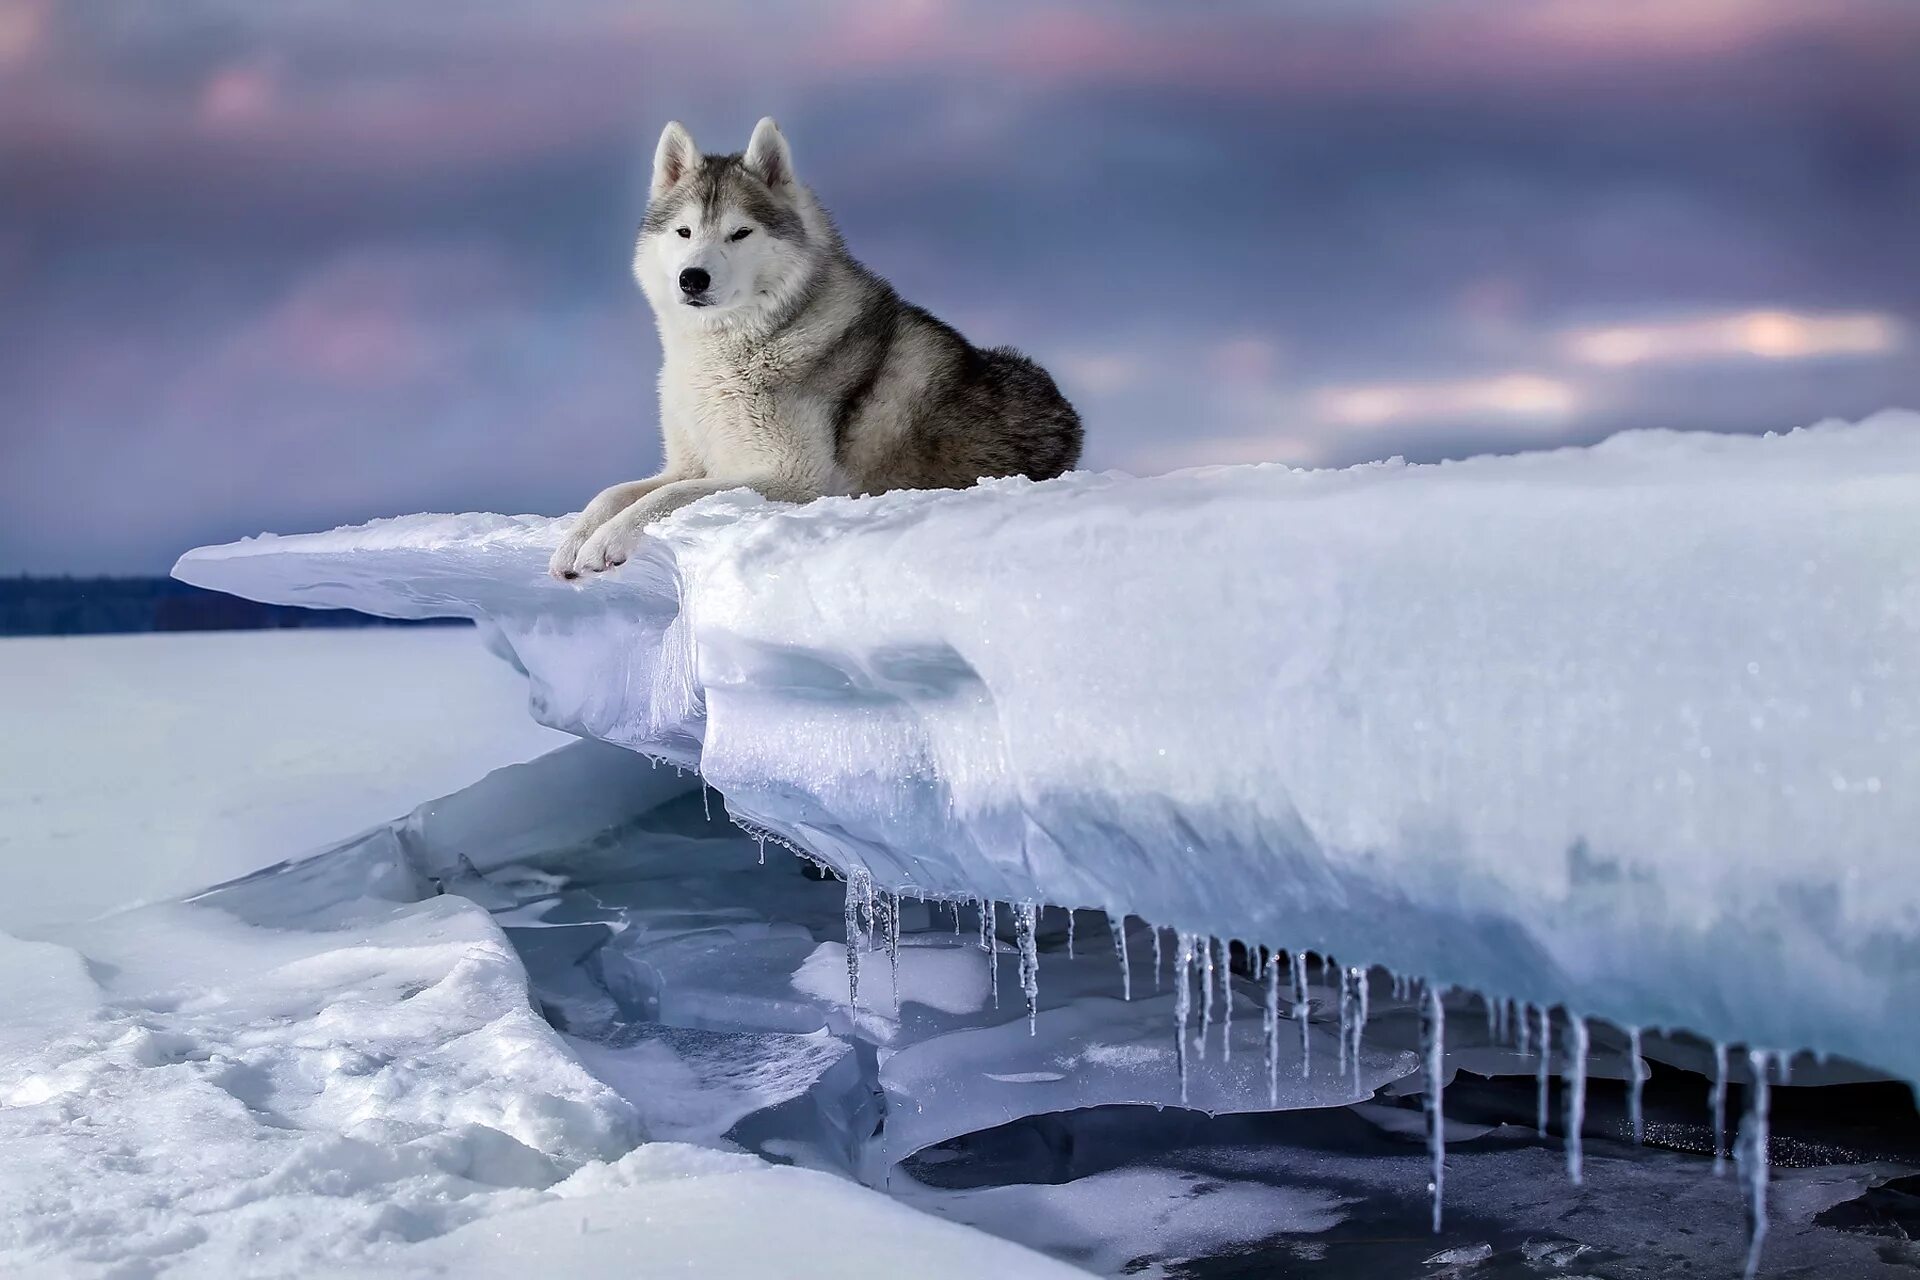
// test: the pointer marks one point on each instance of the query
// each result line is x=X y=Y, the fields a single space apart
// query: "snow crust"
x=1632 y=729
x=188 y=1089
x=673 y=1210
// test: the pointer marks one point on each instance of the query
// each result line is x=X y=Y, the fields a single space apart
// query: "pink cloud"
x=420 y=99
x=1281 y=53
x=369 y=323
x=1763 y=334
x=24 y=25
x=239 y=97
x=409 y=104
x=1247 y=359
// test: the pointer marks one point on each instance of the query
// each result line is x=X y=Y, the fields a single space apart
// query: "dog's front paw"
x=565 y=556
x=608 y=548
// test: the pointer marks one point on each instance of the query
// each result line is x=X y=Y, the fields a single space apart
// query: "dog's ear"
x=674 y=158
x=767 y=156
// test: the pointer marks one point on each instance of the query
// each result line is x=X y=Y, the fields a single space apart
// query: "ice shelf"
x=1632 y=729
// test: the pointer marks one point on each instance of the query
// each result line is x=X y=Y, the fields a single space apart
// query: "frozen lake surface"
x=1594 y=769
x=136 y=768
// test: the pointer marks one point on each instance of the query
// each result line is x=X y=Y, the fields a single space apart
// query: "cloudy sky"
x=284 y=266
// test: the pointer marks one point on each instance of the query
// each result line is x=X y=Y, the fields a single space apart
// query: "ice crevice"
x=1632 y=730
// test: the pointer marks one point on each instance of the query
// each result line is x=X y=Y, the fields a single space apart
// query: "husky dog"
x=793 y=370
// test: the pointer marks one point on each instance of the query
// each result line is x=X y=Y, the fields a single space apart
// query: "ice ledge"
x=1633 y=729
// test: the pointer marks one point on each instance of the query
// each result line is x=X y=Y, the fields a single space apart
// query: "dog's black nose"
x=694 y=280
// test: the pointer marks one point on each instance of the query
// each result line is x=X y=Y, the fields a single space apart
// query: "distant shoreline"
x=66 y=606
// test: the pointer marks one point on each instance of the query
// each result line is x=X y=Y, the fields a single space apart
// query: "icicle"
x=1156 y=959
x=1182 y=1007
x=1750 y=1154
x=1069 y=933
x=1635 y=1087
x=706 y=806
x=893 y=945
x=1271 y=1017
x=1359 y=1023
x=1493 y=1020
x=1346 y=1017
x=852 y=919
x=993 y=950
x=956 y=917
x=1719 y=1108
x=1226 y=1001
x=1118 y=927
x=1526 y=1033
x=1300 y=1012
x=1026 y=924
x=1545 y=1069
x=1576 y=1091
x=1206 y=994
x=1433 y=1020
x=761 y=840
x=988 y=925
x=872 y=915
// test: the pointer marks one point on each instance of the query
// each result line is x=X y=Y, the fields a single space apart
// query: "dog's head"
x=726 y=237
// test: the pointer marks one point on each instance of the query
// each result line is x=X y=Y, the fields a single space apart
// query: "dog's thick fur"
x=792 y=369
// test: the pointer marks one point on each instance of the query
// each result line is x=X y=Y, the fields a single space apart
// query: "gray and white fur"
x=792 y=369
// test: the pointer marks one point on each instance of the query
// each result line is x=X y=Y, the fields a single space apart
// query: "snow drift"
x=1632 y=729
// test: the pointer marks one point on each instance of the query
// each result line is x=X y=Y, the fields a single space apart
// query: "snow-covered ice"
x=333 y=1062
x=329 y=1067
x=138 y=768
x=1633 y=730
x=377 y=1097
x=194 y=1090
x=673 y=1210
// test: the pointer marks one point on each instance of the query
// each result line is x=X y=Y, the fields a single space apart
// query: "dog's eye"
x=682 y=232
x=741 y=234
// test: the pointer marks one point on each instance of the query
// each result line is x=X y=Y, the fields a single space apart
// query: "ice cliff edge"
x=1633 y=728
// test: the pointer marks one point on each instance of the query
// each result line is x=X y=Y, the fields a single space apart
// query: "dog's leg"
x=613 y=542
x=608 y=504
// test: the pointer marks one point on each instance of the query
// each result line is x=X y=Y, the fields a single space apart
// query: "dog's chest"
x=720 y=398
x=738 y=401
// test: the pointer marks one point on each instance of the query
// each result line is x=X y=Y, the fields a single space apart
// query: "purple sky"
x=284 y=266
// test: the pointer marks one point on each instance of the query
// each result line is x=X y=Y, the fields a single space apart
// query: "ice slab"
x=1633 y=729
x=1109 y=1221
x=186 y=1091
